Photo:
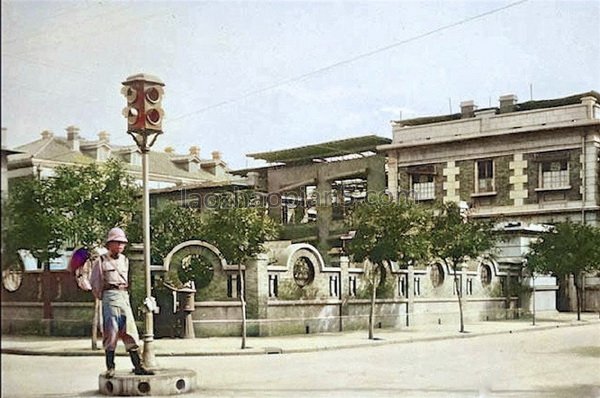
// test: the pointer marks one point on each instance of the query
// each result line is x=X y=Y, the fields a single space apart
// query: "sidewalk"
x=61 y=346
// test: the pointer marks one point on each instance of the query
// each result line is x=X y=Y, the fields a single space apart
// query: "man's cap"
x=116 y=235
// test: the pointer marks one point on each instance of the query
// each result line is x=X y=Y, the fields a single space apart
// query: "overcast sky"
x=254 y=76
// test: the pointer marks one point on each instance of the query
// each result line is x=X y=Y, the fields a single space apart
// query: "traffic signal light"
x=153 y=94
x=144 y=108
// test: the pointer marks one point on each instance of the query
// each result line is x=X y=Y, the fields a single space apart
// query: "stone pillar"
x=410 y=295
x=376 y=174
x=590 y=178
x=393 y=175
x=324 y=210
x=344 y=289
x=257 y=291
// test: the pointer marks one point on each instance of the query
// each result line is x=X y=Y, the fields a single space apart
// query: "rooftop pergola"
x=324 y=151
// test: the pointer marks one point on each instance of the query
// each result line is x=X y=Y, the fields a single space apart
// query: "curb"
x=278 y=350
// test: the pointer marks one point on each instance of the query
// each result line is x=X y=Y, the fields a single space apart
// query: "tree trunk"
x=459 y=295
x=243 y=305
x=533 y=297
x=374 y=283
x=578 y=295
x=95 y=324
x=372 y=311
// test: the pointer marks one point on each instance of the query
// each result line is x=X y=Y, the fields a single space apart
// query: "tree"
x=238 y=227
x=74 y=207
x=386 y=231
x=568 y=249
x=532 y=267
x=454 y=239
x=170 y=225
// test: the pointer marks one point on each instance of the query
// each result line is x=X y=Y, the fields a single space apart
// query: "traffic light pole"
x=144 y=123
x=148 y=352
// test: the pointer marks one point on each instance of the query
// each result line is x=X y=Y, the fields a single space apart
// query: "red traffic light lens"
x=153 y=95
x=153 y=116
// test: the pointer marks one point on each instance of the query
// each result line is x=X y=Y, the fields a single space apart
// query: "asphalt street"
x=562 y=362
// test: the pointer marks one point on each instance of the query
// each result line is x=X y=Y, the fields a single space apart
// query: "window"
x=423 y=186
x=333 y=286
x=345 y=193
x=234 y=287
x=555 y=174
x=422 y=181
x=352 y=285
x=311 y=199
x=304 y=271
x=273 y=285
x=417 y=287
x=403 y=286
x=469 y=287
x=484 y=176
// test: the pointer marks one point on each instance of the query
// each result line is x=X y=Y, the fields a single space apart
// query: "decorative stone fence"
x=289 y=289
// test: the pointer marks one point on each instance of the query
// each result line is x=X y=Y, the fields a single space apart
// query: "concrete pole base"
x=163 y=382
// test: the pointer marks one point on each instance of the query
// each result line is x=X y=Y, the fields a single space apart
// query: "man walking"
x=109 y=282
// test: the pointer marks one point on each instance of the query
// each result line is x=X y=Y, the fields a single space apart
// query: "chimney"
x=195 y=150
x=73 y=137
x=104 y=136
x=170 y=150
x=216 y=155
x=507 y=103
x=467 y=109
x=47 y=134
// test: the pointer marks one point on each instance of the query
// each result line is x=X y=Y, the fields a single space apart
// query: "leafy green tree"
x=76 y=206
x=239 y=227
x=33 y=222
x=386 y=231
x=170 y=225
x=454 y=240
x=568 y=249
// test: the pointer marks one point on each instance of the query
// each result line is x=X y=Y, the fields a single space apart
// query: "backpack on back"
x=81 y=266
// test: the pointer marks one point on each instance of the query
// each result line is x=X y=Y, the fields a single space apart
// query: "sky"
x=255 y=76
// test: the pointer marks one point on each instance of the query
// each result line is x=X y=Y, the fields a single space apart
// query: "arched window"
x=304 y=271
x=485 y=273
x=436 y=274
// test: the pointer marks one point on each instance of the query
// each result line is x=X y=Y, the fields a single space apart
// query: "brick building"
x=534 y=162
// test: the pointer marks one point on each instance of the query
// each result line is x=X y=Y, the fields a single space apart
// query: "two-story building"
x=535 y=162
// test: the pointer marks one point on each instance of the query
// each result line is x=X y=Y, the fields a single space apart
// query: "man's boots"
x=110 y=364
x=138 y=368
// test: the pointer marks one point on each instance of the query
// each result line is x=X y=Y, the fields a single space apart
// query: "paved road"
x=562 y=362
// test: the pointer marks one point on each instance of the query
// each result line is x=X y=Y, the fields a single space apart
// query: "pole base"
x=163 y=382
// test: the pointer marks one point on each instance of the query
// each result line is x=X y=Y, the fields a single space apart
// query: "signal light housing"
x=143 y=112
